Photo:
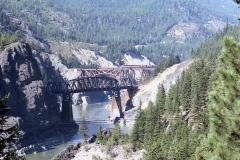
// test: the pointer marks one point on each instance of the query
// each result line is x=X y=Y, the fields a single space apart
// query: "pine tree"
x=186 y=91
x=176 y=99
x=223 y=139
x=155 y=149
x=100 y=134
x=169 y=102
x=83 y=129
x=8 y=134
x=116 y=135
x=200 y=76
x=160 y=101
x=138 y=131
x=151 y=117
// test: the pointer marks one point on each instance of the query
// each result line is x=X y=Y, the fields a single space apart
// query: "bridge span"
x=88 y=84
x=123 y=71
x=68 y=88
x=92 y=80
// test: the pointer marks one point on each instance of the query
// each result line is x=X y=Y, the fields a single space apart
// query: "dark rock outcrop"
x=92 y=139
x=70 y=151
x=37 y=109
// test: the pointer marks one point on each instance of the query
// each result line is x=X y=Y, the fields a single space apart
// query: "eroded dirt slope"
x=169 y=76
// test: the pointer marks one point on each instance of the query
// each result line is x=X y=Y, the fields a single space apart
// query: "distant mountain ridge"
x=223 y=7
x=112 y=28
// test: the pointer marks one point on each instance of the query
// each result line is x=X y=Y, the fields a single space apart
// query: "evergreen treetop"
x=223 y=139
x=9 y=133
x=83 y=129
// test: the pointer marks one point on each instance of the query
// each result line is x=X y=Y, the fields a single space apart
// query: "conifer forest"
x=197 y=118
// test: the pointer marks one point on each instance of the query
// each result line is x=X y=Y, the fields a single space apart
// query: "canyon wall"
x=37 y=109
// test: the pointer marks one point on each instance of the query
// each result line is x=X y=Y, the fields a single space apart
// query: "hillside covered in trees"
x=199 y=117
x=149 y=27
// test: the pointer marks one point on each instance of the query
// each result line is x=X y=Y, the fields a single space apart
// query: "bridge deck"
x=150 y=67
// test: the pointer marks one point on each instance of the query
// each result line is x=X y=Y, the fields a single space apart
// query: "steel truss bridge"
x=124 y=71
x=89 y=84
x=68 y=88
x=90 y=80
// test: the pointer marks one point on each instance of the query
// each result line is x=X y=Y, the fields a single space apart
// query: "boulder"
x=92 y=139
x=70 y=152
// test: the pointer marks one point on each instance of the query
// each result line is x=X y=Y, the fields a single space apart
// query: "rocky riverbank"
x=99 y=152
x=54 y=135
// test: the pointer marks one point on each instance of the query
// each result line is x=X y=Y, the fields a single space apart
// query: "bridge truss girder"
x=68 y=88
x=89 y=84
x=120 y=73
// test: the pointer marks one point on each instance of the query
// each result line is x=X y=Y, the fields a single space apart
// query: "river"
x=94 y=114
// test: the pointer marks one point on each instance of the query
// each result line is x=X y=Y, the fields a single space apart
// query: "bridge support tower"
x=116 y=100
x=67 y=114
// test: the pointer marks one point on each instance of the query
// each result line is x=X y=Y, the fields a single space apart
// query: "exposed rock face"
x=95 y=150
x=70 y=152
x=98 y=151
x=149 y=91
x=183 y=31
x=131 y=58
x=86 y=56
x=21 y=76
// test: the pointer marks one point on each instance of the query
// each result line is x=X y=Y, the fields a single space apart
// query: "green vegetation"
x=7 y=39
x=140 y=27
x=8 y=133
x=198 y=117
x=57 y=157
x=222 y=6
x=48 y=71
x=187 y=95
x=211 y=49
x=9 y=25
x=83 y=129
x=72 y=62
x=165 y=63
x=115 y=137
x=223 y=138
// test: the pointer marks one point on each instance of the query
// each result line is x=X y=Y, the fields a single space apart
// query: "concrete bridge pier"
x=67 y=114
x=116 y=103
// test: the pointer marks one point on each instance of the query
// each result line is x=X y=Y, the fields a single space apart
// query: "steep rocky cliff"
x=20 y=75
x=149 y=91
